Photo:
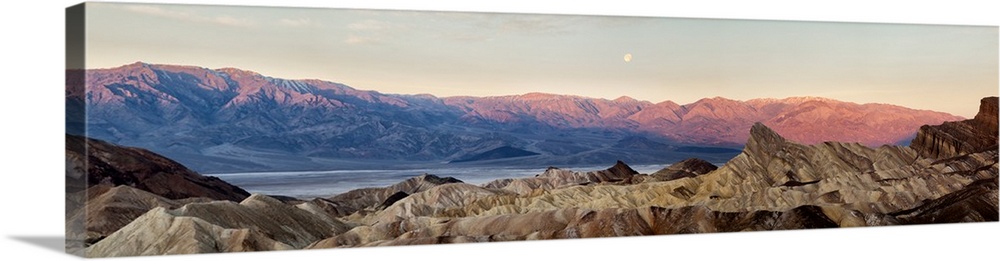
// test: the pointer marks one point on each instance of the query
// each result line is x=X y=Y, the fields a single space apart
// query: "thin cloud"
x=466 y=27
x=456 y=26
x=189 y=17
x=356 y=39
x=372 y=32
x=231 y=21
x=371 y=25
x=461 y=27
x=534 y=25
x=301 y=22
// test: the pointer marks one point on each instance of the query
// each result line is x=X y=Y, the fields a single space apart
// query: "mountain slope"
x=498 y=153
x=230 y=120
x=92 y=162
x=773 y=184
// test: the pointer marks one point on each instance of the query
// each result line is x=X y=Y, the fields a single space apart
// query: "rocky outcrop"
x=436 y=200
x=976 y=202
x=159 y=232
x=772 y=184
x=359 y=199
x=963 y=137
x=773 y=173
x=92 y=162
x=557 y=178
x=577 y=223
x=684 y=169
x=107 y=186
x=109 y=209
x=257 y=223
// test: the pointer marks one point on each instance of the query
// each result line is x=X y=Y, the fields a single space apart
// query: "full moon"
x=628 y=57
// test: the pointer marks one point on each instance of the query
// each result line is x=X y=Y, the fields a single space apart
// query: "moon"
x=628 y=57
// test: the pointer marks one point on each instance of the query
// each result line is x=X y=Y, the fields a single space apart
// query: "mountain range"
x=948 y=174
x=217 y=120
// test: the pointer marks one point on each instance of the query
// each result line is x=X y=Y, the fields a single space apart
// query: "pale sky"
x=942 y=68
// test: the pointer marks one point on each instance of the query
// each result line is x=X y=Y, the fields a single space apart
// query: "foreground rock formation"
x=111 y=208
x=114 y=165
x=108 y=186
x=557 y=178
x=367 y=198
x=949 y=174
x=962 y=137
x=684 y=169
x=257 y=223
x=772 y=184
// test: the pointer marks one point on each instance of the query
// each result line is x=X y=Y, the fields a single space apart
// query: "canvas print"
x=203 y=129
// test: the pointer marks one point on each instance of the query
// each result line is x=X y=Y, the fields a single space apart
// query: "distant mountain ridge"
x=232 y=119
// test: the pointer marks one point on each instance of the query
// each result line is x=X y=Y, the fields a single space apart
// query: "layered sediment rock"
x=359 y=199
x=684 y=169
x=257 y=223
x=436 y=200
x=577 y=223
x=109 y=209
x=159 y=232
x=93 y=162
x=772 y=184
x=773 y=181
x=557 y=178
x=107 y=186
x=962 y=137
x=773 y=174
x=974 y=203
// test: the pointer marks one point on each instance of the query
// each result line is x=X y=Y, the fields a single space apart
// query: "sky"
x=936 y=67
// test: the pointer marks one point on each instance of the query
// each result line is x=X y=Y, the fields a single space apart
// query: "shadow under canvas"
x=54 y=243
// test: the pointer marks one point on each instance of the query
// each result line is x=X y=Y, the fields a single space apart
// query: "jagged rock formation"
x=107 y=186
x=109 y=209
x=957 y=138
x=772 y=184
x=825 y=185
x=976 y=202
x=576 y=223
x=557 y=178
x=159 y=232
x=257 y=223
x=684 y=169
x=774 y=173
x=435 y=200
x=352 y=201
x=114 y=165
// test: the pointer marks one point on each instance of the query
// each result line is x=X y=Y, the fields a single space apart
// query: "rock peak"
x=624 y=99
x=956 y=138
x=685 y=168
x=988 y=112
x=763 y=139
x=622 y=168
x=539 y=96
x=237 y=72
x=434 y=179
x=759 y=131
x=257 y=197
